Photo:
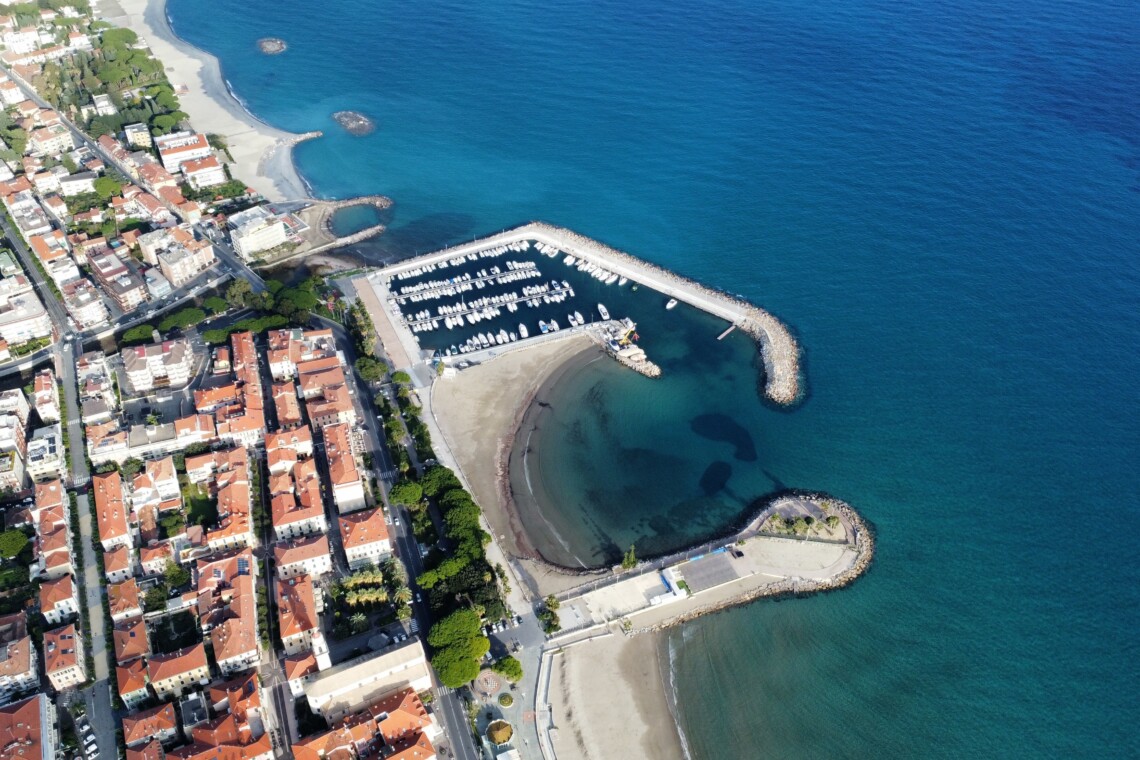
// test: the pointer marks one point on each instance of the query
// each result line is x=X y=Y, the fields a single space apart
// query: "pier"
x=726 y=333
x=777 y=346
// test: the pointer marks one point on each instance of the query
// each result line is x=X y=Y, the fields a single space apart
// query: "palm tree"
x=403 y=595
x=359 y=621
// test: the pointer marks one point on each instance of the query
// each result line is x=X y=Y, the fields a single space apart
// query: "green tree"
x=437 y=480
x=832 y=521
x=371 y=370
x=176 y=576
x=401 y=377
x=215 y=305
x=155 y=599
x=12 y=542
x=455 y=667
x=131 y=467
x=137 y=334
x=106 y=187
x=629 y=560
x=184 y=318
x=406 y=493
x=552 y=602
x=509 y=667
x=458 y=628
x=236 y=293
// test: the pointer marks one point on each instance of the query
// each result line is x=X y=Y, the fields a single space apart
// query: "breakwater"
x=863 y=542
x=765 y=566
x=778 y=348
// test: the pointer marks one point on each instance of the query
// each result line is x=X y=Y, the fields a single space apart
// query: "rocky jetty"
x=272 y=45
x=354 y=123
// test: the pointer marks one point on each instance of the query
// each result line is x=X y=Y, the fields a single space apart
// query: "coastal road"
x=447 y=706
x=54 y=308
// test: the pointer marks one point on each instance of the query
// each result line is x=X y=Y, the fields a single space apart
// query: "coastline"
x=262 y=154
x=479 y=424
x=622 y=670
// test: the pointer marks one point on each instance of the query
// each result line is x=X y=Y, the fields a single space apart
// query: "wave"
x=671 y=693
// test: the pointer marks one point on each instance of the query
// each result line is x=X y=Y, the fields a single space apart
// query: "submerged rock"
x=272 y=45
x=354 y=123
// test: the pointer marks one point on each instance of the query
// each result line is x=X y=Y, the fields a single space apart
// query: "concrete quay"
x=777 y=346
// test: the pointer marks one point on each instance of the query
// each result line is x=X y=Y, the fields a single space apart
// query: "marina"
x=538 y=282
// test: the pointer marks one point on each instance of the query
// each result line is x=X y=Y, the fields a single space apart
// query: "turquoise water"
x=940 y=198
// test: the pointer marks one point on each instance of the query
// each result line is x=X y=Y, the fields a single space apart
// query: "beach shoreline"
x=262 y=154
x=593 y=675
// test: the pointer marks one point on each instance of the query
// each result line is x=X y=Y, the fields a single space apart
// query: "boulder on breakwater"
x=354 y=123
x=272 y=45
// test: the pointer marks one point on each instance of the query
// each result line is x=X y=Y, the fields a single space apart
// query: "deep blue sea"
x=941 y=198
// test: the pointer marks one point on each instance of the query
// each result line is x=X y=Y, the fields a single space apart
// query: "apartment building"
x=347 y=484
x=22 y=314
x=64 y=663
x=45 y=459
x=177 y=148
x=364 y=536
x=158 y=365
x=171 y=675
x=308 y=555
x=256 y=230
x=132 y=679
x=19 y=671
x=203 y=173
x=45 y=396
x=297 y=613
x=30 y=730
x=84 y=304
x=58 y=600
x=111 y=513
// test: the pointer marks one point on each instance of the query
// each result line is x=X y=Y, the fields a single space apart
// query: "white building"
x=364 y=536
x=353 y=685
x=22 y=315
x=205 y=172
x=14 y=402
x=167 y=364
x=255 y=230
x=179 y=147
x=84 y=304
x=77 y=184
x=46 y=460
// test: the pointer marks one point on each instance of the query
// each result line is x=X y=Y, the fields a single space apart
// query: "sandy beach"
x=479 y=412
x=607 y=700
x=262 y=154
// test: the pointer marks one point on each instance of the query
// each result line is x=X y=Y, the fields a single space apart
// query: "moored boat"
x=603 y=311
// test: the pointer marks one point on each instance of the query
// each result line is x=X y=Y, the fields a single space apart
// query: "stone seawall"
x=864 y=546
x=778 y=348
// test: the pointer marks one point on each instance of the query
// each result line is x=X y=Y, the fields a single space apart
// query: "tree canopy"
x=215 y=304
x=184 y=318
x=509 y=667
x=105 y=187
x=454 y=667
x=406 y=493
x=457 y=628
x=371 y=370
x=137 y=334
x=12 y=542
